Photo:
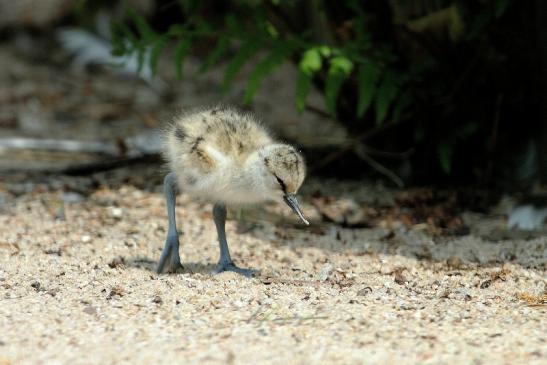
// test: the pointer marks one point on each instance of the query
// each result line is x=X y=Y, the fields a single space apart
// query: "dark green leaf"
x=233 y=26
x=202 y=25
x=181 y=51
x=176 y=30
x=146 y=33
x=119 y=43
x=264 y=68
x=155 y=52
x=444 y=151
x=271 y=30
x=215 y=55
x=140 y=58
x=244 y=54
x=125 y=34
x=386 y=93
x=367 y=78
x=339 y=70
x=303 y=84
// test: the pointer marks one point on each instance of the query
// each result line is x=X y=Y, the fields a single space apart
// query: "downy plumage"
x=226 y=156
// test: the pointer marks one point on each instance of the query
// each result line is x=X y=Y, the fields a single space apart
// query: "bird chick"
x=225 y=156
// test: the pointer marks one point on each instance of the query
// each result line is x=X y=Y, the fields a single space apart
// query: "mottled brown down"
x=223 y=154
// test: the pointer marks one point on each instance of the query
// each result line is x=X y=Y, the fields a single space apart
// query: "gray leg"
x=225 y=262
x=170 y=259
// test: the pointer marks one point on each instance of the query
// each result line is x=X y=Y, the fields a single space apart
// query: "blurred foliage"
x=430 y=70
x=260 y=29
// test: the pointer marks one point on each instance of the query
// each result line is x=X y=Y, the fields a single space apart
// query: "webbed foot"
x=230 y=266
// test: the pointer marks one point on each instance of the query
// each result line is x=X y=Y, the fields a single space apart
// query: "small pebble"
x=325 y=272
x=117 y=212
x=90 y=310
x=400 y=278
x=454 y=262
x=364 y=291
x=71 y=197
x=117 y=262
x=116 y=291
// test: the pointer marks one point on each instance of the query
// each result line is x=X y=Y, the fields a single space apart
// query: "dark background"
x=457 y=97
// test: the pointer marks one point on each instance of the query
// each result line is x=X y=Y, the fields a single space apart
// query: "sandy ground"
x=77 y=256
x=77 y=286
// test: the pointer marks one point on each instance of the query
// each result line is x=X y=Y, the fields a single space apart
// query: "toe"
x=245 y=272
x=169 y=267
x=221 y=267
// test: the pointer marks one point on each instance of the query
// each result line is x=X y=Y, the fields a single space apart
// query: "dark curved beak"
x=291 y=201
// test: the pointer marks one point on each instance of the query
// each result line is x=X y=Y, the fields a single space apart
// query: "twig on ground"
x=100 y=166
x=64 y=145
x=268 y=281
x=533 y=300
x=361 y=152
x=109 y=154
x=8 y=245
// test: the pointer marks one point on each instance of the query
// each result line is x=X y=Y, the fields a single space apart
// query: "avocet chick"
x=225 y=156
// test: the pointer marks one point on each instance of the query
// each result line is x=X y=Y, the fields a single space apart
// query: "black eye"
x=281 y=183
